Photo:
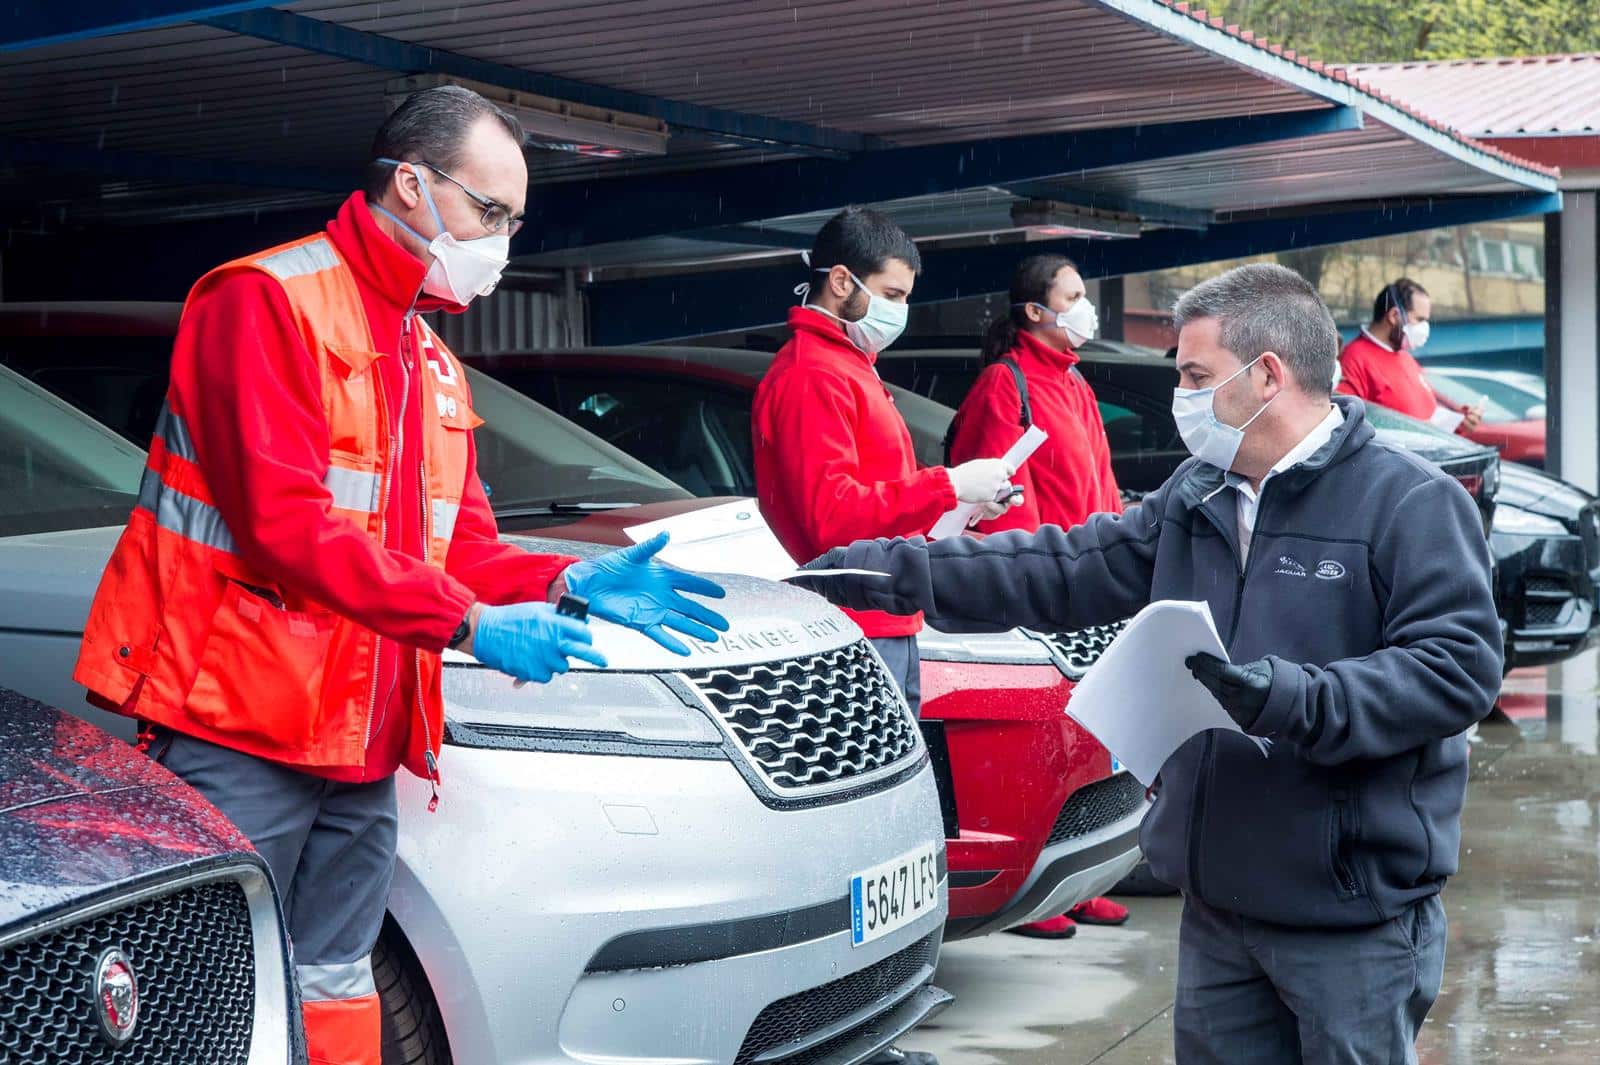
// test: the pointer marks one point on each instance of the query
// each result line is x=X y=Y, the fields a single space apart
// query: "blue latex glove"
x=531 y=641
x=632 y=588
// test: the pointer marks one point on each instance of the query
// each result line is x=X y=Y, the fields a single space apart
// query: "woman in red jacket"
x=1029 y=378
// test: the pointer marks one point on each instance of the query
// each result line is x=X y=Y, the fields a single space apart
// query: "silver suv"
x=734 y=857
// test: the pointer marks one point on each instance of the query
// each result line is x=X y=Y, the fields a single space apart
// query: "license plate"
x=894 y=894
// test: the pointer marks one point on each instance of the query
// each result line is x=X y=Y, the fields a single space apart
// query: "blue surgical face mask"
x=881 y=326
x=1208 y=438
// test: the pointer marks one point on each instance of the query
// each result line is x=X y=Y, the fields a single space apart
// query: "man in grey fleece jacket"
x=1351 y=583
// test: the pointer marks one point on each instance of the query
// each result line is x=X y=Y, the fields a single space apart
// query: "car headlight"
x=584 y=704
x=1517 y=522
x=1012 y=647
x=1491 y=480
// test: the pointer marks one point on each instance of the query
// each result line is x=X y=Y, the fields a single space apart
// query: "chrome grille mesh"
x=1082 y=648
x=193 y=955
x=813 y=722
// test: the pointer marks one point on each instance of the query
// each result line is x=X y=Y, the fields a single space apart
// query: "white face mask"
x=461 y=269
x=881 y=326
x=1415 y=333
x=1207 y=438
x=1081 y=322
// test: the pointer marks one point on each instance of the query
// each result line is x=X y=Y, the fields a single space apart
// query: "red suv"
x=1038 y=817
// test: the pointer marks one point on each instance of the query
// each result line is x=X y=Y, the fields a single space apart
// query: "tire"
x=413 y=1031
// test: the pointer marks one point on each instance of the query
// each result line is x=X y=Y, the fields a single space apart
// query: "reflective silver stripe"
x=352 y=489
x=444 y=518
x=184 y=514
x=330 y=983
x=296 y=262
x=174 y=434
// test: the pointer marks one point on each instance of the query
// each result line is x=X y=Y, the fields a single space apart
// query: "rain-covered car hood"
x=50 y=578
x=82 y=812
x=1535 y=491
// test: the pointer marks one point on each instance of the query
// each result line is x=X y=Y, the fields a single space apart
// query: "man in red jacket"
x=312 y=534
x=1378 y=365
x=834 y=461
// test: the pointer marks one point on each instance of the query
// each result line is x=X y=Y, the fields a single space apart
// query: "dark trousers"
x=899 y=653
x=1256 y=994
x=331 y=850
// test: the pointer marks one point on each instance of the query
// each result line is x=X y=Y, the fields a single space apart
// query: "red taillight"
x=1472 y=482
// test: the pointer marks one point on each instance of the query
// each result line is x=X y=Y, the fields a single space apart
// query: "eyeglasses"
x=496 y=215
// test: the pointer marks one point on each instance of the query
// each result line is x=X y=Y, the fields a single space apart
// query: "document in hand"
x=955 y=522
x=1140 y=700
x=1446 y=419
x=731 y=538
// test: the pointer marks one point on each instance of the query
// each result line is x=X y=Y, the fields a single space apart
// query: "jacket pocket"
x=261 y=671
x=1344 y=834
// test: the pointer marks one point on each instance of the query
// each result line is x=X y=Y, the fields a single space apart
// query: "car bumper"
x=1065 y=874
x=577 y=907
x=1548 y=595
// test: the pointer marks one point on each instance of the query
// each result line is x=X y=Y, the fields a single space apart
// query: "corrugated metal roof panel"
x=1498 y=97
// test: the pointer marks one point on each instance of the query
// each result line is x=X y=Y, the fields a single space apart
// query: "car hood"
x=81 y=812
x=1534 y=490
x=51 y=578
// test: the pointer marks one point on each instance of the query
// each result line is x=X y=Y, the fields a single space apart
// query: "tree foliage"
x=1389 y=31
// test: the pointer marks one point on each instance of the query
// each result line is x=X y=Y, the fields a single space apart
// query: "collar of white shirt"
x=1309 y=445
x=1375 y=340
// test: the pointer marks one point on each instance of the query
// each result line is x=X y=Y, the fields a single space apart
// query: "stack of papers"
x=1141 y=701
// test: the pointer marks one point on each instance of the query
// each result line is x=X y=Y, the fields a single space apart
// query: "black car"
x=137 y=926
x=1544 y=534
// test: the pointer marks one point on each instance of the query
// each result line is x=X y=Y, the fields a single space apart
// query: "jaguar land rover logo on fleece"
x=1329 y=570
x=1288 y=566
x=116 y=997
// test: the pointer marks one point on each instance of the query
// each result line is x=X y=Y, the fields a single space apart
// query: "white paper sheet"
x=955 y=522
x=1140 y=700
x=1447 y=419
x=731 y=538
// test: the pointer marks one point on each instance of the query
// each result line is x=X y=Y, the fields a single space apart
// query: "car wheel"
x=413 y=1032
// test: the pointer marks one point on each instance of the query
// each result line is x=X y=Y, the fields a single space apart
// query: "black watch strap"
x=463 y=630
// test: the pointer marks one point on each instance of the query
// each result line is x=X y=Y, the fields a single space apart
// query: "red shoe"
x=1061 y=927
x=1101 y=911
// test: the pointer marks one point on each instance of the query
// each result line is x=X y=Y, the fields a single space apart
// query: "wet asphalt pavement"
x=1522 y=979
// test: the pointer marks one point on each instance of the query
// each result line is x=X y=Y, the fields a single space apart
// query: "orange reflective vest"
x=184 y=633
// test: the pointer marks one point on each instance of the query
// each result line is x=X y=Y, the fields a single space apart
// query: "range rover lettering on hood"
x=779 y=638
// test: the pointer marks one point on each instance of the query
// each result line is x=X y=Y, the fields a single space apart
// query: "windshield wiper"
x=544 y=510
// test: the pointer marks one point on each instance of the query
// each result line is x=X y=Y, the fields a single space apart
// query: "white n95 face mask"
x=1207 y=438
x=461 y=269
x=1081 y=321
x=1416 y=334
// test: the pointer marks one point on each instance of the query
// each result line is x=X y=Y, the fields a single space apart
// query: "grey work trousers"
x=900 y=654
x=1257 y=994
x=330 y=847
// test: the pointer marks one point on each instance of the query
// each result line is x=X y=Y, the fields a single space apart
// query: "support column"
x=1574 y=414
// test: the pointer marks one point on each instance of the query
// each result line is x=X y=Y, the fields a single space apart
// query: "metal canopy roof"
x=1533 y=96
x=781 y=111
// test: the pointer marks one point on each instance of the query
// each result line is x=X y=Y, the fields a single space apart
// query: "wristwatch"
x=463 y=630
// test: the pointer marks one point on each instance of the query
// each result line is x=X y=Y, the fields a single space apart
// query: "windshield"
x=531 y=458
x=1507 y=398
x=58 y=468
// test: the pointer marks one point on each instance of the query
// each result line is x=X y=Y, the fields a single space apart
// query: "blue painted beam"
x=18 y=151
x=671 y=307
x=389 y=53
x=36 y=24
x=577 y=214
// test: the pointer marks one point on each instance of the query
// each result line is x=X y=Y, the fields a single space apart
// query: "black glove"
x=1242 y=690
x=832 y=560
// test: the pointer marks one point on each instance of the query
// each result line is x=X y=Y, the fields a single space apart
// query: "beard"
x=855 y=308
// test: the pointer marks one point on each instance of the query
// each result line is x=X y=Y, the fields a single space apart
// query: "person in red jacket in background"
x=1378 y=365
x=312 y=534
x=834 y=461
x=1030 y=378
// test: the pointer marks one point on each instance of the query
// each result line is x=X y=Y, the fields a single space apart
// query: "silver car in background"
x=731 y=857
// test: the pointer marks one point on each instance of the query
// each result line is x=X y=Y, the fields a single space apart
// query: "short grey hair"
x=431 y=126
x=1265 y=307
